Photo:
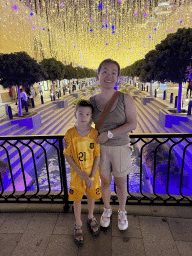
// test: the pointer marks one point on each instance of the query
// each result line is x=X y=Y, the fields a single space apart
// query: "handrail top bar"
x=131 y=135
x=160 y=135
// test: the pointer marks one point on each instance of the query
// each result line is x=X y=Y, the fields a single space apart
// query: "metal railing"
x=36 y=170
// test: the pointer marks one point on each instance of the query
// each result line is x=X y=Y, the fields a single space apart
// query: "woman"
x=114 y=140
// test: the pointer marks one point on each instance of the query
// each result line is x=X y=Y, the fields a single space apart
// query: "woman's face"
x=108 y=75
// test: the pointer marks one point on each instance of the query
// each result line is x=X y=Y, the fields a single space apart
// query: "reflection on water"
x=55 y=180
x=134 y=178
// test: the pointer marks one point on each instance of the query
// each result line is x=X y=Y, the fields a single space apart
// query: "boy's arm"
x=95 y=166
x=84 y=176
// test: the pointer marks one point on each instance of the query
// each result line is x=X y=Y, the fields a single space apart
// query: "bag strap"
x=106 y=110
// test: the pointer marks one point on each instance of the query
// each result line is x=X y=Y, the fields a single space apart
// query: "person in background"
x=24 y=99
x=40 y=89
x=189 y=88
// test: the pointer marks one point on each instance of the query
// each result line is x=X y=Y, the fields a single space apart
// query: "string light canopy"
x=85 y=32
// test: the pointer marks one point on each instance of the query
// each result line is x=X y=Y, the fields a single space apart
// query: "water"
x=55 y=180
x=134 y=185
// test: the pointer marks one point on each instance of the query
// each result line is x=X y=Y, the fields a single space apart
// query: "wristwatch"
x=110 y=135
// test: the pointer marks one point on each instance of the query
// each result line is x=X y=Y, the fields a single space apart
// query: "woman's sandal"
x=78 y=234
x=91 y=227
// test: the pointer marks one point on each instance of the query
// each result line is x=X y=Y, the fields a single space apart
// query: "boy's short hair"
x=109 y=61
x=85 y=103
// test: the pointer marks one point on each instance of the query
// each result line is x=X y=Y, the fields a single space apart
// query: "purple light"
x=143 y=41
x=62 y=4
x=119 y=1
x=60 y=38
x=145 y=14
x=149 y=36
x=171 y=30
x=166 y=31
x=100 y=6
x=33 y=27
x=28 y=19
x=105 y=21
x=136 y=14
x=91 y=20
x=15 y=7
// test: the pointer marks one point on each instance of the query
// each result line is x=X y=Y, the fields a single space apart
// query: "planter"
x=61 y=104
x=169 y=117
x=31 y=122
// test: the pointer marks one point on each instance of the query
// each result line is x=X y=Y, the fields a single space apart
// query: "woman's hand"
x=102 y=138
x=65 y=143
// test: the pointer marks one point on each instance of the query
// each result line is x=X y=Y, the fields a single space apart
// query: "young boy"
x=83 y=155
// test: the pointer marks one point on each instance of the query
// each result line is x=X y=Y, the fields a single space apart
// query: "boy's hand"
x=90 y=184
x=84 y=176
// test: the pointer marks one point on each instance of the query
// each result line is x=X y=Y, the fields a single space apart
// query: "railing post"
x=142 y=87
x=64 y=176
x=147 y=88
x=164 y=95
x=189 y=108
x=155 y=93
x=176 y=97
x=171 y=98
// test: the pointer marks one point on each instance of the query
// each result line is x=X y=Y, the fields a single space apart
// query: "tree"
x=70 y=72
x=175 y=53
x=55 y=70
x=19 y=69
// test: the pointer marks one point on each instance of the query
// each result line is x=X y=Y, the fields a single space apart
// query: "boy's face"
x=84 y=115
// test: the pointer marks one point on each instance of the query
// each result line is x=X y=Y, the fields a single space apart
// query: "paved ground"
x=30 y=230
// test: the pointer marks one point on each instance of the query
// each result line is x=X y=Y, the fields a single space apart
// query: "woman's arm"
x=131 y=124
x=131 y=116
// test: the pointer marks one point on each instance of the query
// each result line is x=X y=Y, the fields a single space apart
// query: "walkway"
x=44 y=230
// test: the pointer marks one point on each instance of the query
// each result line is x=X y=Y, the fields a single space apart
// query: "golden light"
x=85 y=32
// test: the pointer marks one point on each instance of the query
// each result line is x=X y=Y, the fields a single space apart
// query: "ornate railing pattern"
x=162 y=170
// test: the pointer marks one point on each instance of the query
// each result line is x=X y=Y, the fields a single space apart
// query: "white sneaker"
x=105 y=218
x=122 y=220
